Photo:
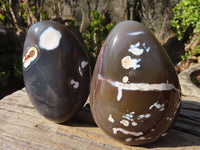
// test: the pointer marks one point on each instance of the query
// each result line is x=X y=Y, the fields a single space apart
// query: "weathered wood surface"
x=21 y=127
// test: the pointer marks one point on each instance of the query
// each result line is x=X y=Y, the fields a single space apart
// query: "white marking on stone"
x=134 y=123
x=128 y=62
x=125 y=122
x=135 y=33
x=164 y=134
x=147 y=48
x=119 y=95
x=152 y=130
x=143 y=116
x=178 y=105
x=139 y=87
x=158 y=106
x=115 y=130
x=125 y=79
x=74 y=83
x=169 y=118
x=30 y=56
x=80 y=71
x=129 y=116
x=110 y=118
x=50 y=39
x=143 y=138
x=135 y=50
x=84 y=64
x=132 y=112
x=162 y=107
x=128 y=139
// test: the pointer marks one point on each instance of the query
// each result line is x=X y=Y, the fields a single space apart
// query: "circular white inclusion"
x=125 y=79
x=50 y=39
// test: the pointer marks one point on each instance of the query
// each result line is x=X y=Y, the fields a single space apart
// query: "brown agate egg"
x=56 y=71
x=135 y=92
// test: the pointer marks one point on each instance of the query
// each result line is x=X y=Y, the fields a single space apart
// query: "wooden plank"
x=21 y=127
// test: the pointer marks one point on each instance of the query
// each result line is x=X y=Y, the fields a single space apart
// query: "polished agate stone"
x=135 y=92
x=56 y=71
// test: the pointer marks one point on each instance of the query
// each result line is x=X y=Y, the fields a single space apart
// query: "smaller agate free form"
x=135 y=92
x=56 y=71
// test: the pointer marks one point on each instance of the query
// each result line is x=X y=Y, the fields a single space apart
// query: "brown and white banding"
x=30 y=56
x=138 y=86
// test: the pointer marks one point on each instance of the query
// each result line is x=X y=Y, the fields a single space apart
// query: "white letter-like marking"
x=115 y=130
x=50 y=38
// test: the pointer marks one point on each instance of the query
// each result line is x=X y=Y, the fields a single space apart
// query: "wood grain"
x=21 y=127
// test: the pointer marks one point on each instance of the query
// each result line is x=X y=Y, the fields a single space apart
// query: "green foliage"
x=97 y=32
x=2 y=18
x=3 y=9
x=189 y=53
x=22 y=13
x=186 y=14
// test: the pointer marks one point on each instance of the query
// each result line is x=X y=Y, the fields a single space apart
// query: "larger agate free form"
x=135 y=92
x=56 y=71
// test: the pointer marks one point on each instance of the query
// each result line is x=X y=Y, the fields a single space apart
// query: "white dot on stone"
x=50 y=39
x=152 y=130
x=134 y=124
x=125 y=122
x=125 y=79
x=147 y=115
x=83 y=64
x=74 y=83
x=128 y=139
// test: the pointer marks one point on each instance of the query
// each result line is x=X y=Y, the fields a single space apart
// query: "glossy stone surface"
x=135 y=93
x=56 y=71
